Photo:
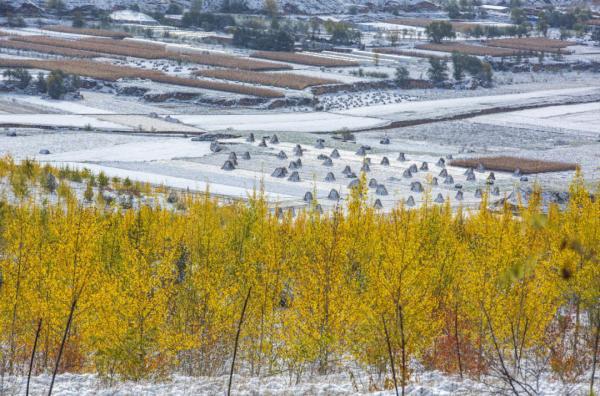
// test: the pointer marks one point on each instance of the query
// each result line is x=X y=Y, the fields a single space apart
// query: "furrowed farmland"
x=105 y=71
x=303 y=59
x=400 y=52
x=88 y=32
x=537 y=44
x=149 y=52
x=47 y=49
x=515 y=164
x=478 y=50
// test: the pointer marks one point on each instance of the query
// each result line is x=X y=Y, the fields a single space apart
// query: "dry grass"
x=401 y=52
x=532 y=44
x=143 y=50
x=282 y=80
x=593 y=22
x=46 y=49
x=510 y=164
x=98 y=46
x=105 y=71
x=477 y=50
x=87 y=32
x=303 y=59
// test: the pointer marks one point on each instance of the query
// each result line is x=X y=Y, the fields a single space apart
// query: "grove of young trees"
x=145 y=293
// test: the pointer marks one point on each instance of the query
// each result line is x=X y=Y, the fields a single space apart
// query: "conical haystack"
x=228 y=166
x=294 y=177
x=381 y=190
x=333 y=195
x=279 y=172
x=378 y=205
x=416 y=187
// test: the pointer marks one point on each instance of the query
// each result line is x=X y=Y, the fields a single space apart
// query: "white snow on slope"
x=152 y=150
x=67 y=106
x=176 y=182
x=381 y=115
x=581 y=118
x=294 y=122
x=444 y=107
x=58 y=120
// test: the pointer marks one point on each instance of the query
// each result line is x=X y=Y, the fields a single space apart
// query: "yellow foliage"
x=160 y=291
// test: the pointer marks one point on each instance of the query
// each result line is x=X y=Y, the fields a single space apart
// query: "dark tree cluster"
x=267 y=40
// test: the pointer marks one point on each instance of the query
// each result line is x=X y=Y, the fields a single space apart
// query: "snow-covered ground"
x=59 y=120
x=457 y=106
x=350 y=382
x=185 y=164
x=355 y=118
x=276 y=122
x=580 y=118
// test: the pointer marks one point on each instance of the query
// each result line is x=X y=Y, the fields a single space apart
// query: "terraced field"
x=105 y=71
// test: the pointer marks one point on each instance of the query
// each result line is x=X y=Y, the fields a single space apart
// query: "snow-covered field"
x=559 y=133
x=282 y=122
x=59 y=120
x=581 y=118
x=369 y=116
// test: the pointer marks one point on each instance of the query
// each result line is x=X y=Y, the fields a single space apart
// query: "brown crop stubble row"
x=510 y=164
x=87 y=32
x=477 y=50
x=145 y=52
x=46 y=49
x=534 y=44
x=282 y=80
x=131 y=43
x=303 y=59
x=413 y=54
x=105 y=71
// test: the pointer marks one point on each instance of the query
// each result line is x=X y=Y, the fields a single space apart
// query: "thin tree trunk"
x=62 y=345
x=595 y=352
x=389 y=346
x=237 y=338
x=37 y=337
x=12 y=342
x=403 y=345
x=460 y=368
